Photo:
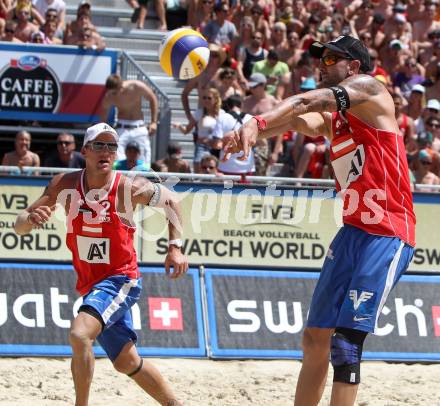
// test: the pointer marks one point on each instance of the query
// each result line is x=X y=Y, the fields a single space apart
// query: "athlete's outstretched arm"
x=311 y=124
x=360 y=89
x=155 y=195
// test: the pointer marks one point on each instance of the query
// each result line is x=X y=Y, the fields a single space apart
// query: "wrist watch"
x=261 y=122
x=178 y=243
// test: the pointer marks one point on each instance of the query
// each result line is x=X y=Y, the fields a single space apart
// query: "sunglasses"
x=435 y=112
x=425 y=163
x=9 y=30
x=330 y=60
x=99 y=146
x=207 y=98
x=64 y=142
x=207 y=2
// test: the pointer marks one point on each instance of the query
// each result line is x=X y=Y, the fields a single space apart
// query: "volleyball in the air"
x=183 y=53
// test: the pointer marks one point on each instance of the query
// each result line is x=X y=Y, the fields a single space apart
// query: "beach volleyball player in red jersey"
x=99 y=204
x=375 y=245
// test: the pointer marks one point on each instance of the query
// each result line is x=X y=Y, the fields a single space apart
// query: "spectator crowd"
x=259 y=56
x=44 y=22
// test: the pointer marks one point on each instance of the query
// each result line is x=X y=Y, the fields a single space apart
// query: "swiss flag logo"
x=436 y=319
x=165 y=313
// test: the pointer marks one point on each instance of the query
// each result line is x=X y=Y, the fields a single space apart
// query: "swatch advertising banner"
x=53 y=83
x=271 y=227
x=262 y=314
x=250 y=227
x=38 y=303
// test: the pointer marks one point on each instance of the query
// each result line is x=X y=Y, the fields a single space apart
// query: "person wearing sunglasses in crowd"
x=99 y=205
x=375 y=245
x=423 y=172
x=66 y=156
x=9 y=32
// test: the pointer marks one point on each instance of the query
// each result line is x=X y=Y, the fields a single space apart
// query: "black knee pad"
x=346 y=354
x=139 y=367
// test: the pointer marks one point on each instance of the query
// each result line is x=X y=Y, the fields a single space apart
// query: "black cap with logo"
x=347 y=45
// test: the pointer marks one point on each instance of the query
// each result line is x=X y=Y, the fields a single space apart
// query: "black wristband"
x=341 y=97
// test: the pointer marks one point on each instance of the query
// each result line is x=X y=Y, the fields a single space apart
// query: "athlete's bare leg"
x=313 y=375
x=148 y=377
x=85 y=328
x=343 y=394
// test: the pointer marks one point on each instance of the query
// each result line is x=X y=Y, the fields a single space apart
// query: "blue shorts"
x=358 y=274
x=112 y=299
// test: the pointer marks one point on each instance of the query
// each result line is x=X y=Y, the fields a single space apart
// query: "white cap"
x=396 y=42
x=418 y=88
x=433 y=104
x=93 y=131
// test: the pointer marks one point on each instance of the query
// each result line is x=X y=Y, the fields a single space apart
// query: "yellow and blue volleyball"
x=184 y=53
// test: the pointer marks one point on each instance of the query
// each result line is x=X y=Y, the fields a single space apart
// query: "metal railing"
x=130 y=69
x=29 y=170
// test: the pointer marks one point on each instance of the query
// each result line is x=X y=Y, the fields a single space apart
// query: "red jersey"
x=101 y=244
x=371 y=170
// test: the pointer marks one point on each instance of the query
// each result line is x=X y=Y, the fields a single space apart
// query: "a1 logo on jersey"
x=93 y=250
x=357 y=164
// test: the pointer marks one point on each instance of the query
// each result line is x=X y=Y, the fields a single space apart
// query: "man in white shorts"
x=127 y=96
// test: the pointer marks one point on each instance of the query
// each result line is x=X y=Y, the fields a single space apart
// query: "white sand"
x=43 y=381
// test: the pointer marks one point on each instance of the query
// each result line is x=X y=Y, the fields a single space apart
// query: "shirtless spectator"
x=22 y=155
x=260 y=22
x=127 y=97
x=24 y=27
x=205 y=80
x=423 y=173
x=9 y=32
x=278 y=38
x=42 y=6
x=83 y=18
x=5 y=6
x=258 y=102
x=426 y=23
x=89 y=39
x=376 y=30
x=430 y=57
x=363 y=14
x=291 y=52
x=173 y=160
x=50 y=30
x=406 y=127
x=393 y=56
x=397 y=26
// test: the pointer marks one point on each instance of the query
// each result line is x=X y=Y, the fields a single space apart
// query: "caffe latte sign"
x=28 y=84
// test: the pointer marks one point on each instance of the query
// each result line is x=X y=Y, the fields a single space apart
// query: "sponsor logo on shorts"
x=358 y=300
x=165 y=313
